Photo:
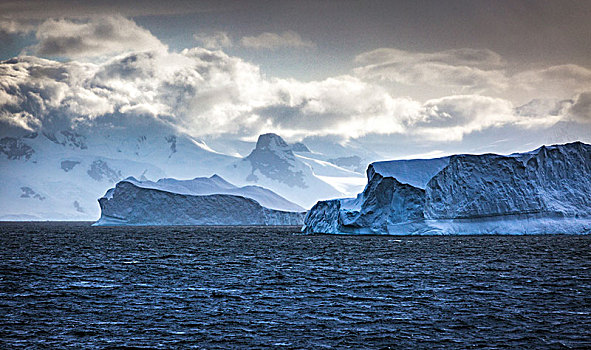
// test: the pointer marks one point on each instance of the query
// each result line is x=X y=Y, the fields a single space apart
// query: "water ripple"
x=72 y=285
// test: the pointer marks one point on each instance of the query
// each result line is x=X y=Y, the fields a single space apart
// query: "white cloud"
x=481 y=58
x=203 y=92
x=213 y=41
x=468 y=69
x=274 y=40
x=561 y=80
x=107 y=35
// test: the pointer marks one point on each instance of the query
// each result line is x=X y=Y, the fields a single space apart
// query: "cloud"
x=42 y=9
x=458 y=57
x=273 y=41
x=581 y=108
x=567 y=79
x=202 y=92
x=213 y=41
x=468 y=72
x=15 y=26
x=107 y=35
x=469 y=69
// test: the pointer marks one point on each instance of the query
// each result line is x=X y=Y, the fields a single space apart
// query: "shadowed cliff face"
x=547 y=190
x=274 y=158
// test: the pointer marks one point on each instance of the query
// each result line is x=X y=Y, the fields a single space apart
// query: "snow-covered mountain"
x=201 y=201
x=58 y=173
x=298 y=177
x=547 y=190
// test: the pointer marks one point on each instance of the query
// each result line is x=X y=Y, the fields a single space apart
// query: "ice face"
x=130 y=204
x=547 y=190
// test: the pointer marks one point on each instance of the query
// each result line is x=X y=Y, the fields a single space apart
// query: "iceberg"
x=545 y=191
x=201 y=201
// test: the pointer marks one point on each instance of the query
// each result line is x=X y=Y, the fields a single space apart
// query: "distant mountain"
x=300 y=147
x=57 y=174
x=547 y=190
x=353 y=163
x=201 y=201
x=274 y=158
x=299 y=178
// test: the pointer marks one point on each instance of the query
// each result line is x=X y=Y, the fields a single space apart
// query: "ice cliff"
x=201 y=201
x=545 y=191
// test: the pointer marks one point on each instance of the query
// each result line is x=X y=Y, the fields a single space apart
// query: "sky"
x=399 y=78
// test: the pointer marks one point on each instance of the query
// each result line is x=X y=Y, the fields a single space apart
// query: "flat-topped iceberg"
x=201 y=201
x=545 y=191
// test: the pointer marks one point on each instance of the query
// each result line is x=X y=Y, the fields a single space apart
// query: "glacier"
x=200 y=201
x=545 y=191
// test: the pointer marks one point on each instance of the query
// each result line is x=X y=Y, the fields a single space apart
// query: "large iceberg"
x=201 y=201
x=545 y=191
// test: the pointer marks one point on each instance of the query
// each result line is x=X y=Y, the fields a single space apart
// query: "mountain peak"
x=300 y=147
x=272 y=142
x=274 y=158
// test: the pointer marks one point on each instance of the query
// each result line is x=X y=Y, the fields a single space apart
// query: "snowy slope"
x=70 y=169
x=134 y=202
x=57 y=173
x=273 y=165
x=547 y=190
x=415 y=172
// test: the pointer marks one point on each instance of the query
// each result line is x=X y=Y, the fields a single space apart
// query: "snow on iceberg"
x=545 y=191
x=201 y=201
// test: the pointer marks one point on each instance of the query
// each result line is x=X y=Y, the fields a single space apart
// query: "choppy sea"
x=72 y=285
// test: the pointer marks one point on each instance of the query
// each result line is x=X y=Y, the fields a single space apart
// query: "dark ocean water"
x=72 y=285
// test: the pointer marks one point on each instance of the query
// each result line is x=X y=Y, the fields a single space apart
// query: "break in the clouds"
x=202 y=92
x=100 y=36
x=276 y=40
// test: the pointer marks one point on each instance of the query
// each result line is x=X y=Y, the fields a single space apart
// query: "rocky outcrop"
x=274 y=158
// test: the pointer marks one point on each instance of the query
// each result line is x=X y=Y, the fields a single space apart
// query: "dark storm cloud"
x=523 y=31
x=41 y=9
